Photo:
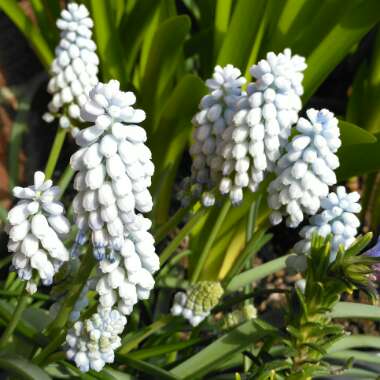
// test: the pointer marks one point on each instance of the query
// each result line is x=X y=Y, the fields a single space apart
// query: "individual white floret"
x=261 y=126
x=306 y=170
x=336 y=218
x=215 y=115
x=75 y=67
x=36 y=226
x=92 y=343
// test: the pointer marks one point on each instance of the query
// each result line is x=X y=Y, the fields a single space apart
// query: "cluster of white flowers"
x=75 y=68
x=91 y=344
x=336 y=218
x=262 y=124
x=36 y=225
x=115 y=170
x=196 y=304
x=216 y=111
x=306 y=169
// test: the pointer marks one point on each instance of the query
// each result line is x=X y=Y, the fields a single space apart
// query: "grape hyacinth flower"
x=75 y=67
x=36 y=226
x=216 y=111
x=306 y=170
x=114 y=172
x=195 y=305
x=262 y=124
x=336 y=218
x=239 y=316
x=91 y=344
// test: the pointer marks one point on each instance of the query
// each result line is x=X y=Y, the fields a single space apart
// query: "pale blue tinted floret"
x=336 y=218
x=261 y=126
x=114 y=172
x=179 y=309
x=91 y=344
x=36 y=226
x=215 y=115
x=306 y=170
x=75 y=67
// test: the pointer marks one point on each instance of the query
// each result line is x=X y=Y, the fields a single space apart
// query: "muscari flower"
x=75 y=67
x=261 y=126
x=36 y=226
x=239 y=316
x=91 y=343
x=114 y=172
x=216 y=111
x=306 y=170
x=196 y=304
x=337 y=218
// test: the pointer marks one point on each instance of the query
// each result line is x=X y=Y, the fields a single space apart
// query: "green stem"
x=168 y=251
x=65 y=179
x=78 y=283
x=55 y=151
x=209 y=243
x=11 y=294
x=21 y=305
x=50 y=348
x=163 y=230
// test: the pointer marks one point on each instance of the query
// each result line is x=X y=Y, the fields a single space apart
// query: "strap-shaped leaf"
x=24 y=369
x=222 y=349
x=355 y=311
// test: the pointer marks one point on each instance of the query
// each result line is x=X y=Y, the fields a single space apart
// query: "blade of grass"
x=31 y=32
x=255 y=274
x=210 y=241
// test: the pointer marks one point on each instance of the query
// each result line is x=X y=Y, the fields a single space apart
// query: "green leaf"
x=45 y=21
x=163 y=57
x=145 y=367
x=108 y=43
x=357 y=355
x=351 y=134
x=291 y=22
x=22 y=368
x=359 y=17
x=258 y=240
x=357 y=101
x=132 y=340
x=201 y=258
x=174 y=128
x=134 y=26
x=164 y=349
x=31 y=32
x=219 y=351
x=357 y=160
x=222 y=20
x=355 y=341
x=255 y=274
x=355 y=311
x=241 y=33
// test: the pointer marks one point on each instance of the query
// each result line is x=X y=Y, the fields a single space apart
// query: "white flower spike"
x=336 y=218
x=306 y=169
x=75 y=67
x=216 y=111
x=36 y=225
x=114 y=172
x=91 y=344
x=262 y=124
